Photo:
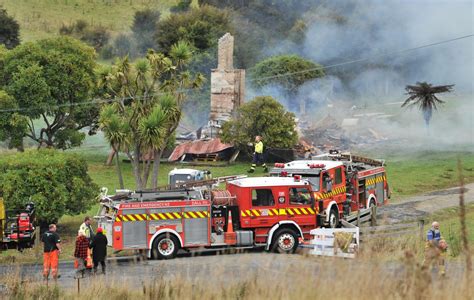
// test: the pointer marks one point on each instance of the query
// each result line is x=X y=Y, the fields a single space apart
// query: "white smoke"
x=377 y=32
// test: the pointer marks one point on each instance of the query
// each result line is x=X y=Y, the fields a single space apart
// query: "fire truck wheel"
x=285 y=241
x=333 y=218
x=165 y=246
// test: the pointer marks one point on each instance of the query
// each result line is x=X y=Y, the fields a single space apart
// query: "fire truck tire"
x=285 y=241
x=333 y=218
x=165 y=246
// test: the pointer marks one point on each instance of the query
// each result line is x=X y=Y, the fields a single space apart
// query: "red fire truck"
x=270 y=212
x=343 y=184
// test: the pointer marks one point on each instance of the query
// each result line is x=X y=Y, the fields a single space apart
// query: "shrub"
x=95 y=36
x=9 y=30
x=56 y=182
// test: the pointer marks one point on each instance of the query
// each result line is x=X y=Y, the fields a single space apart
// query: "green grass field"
x=42 y=18
x=408 y=175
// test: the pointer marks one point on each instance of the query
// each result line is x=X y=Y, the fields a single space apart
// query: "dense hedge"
x=56 y=182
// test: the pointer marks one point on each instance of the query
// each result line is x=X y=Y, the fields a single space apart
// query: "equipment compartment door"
x=196 y=225
x=379 y=190
x=134 y=228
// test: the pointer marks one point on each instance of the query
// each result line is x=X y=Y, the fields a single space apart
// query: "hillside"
x=42 y=18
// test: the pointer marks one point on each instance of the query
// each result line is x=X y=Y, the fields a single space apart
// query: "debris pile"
x=329 y=133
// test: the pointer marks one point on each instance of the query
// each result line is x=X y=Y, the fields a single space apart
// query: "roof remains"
x=199 y=147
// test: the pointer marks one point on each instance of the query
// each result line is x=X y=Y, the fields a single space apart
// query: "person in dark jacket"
x=99 y=250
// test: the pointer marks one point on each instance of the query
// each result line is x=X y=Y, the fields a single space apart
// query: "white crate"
x=323 y=242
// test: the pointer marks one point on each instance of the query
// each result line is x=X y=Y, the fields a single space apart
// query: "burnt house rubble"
x=317 y=135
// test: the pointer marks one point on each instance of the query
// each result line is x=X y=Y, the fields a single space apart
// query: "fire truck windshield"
x=313 y=179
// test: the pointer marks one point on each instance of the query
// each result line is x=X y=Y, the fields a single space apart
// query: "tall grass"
x=289 y=278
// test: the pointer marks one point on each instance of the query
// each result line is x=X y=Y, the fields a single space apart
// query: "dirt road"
x=425 y=204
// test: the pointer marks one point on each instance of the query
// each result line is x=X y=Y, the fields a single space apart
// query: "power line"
x=94 y=101
x=364 y=59
x=99 y=101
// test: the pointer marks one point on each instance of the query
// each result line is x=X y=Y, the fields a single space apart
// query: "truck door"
x=263 y=208
x=300 y=206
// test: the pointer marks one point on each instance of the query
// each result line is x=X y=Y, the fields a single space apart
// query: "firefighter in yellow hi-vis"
x=258 y=155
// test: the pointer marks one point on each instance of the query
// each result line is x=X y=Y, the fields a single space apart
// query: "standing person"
x=80 y=253
x=86 y=228
x=52 y=248
x=435 y=249
x=258 y=155
x=99 y=250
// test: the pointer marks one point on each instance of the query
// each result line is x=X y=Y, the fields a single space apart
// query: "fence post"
x=37 y=243
x=373 y=217
x=421 y=224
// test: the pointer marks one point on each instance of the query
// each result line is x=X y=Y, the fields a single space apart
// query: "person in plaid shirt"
x=80 y=253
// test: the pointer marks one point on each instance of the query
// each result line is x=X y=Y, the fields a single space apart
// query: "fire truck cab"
x=343 y=184
x=270 y=212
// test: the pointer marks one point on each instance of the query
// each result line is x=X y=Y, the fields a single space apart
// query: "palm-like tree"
x=117 y=132
x=150 y=93
x=423 y=94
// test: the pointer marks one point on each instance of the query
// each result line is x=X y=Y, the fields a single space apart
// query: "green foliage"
x=9 y=30
x=146 y=121
x=144 y=27
x=95 y=36
x=263 y=116
x=183 y=5
x=200 y=27
x=12 y=124
x=48 y=79
x=57 y=183
x=273 y=70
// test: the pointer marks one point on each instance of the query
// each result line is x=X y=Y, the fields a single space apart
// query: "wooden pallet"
x=207 y=157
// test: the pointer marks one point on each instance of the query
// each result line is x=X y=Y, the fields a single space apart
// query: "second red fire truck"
x=271 y=212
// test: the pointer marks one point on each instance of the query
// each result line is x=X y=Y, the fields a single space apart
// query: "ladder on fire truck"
x=185 y=190
x=348 y=157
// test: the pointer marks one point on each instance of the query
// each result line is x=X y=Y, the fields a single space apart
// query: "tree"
x=263 y=116
x=57 y=183
x=144 y=27
x=287 y=71
x=423 y=94
x=200 y=27
x=9 y=30
x=150 y=95
x=51 y=80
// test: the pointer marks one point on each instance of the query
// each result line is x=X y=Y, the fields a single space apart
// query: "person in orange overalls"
x=52 y=248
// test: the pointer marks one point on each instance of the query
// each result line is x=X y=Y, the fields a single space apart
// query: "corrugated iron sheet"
x=199 y=147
